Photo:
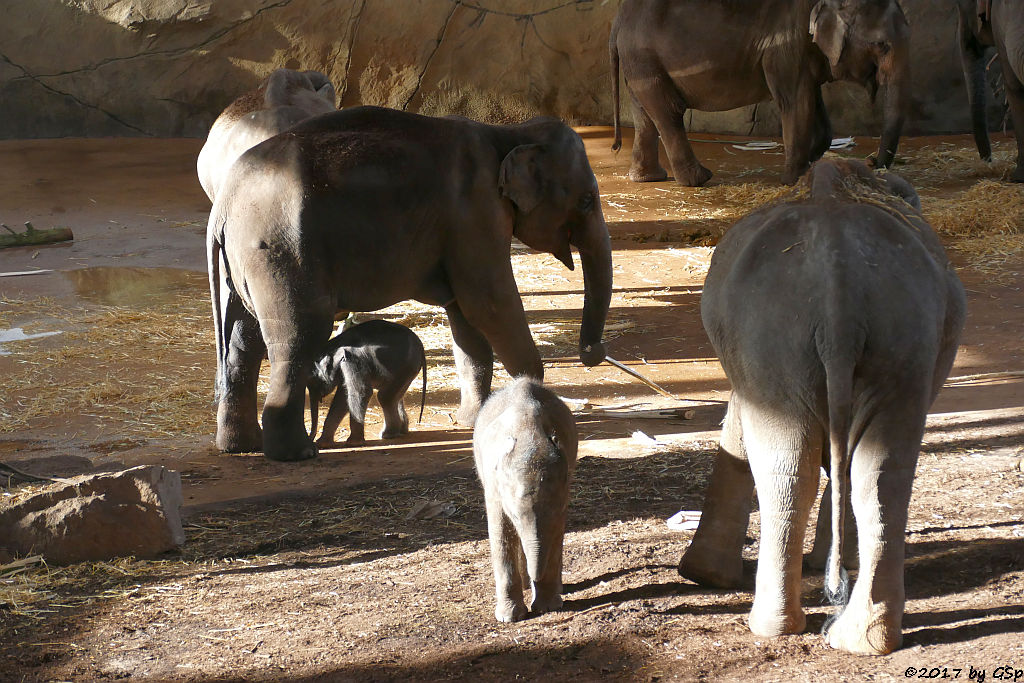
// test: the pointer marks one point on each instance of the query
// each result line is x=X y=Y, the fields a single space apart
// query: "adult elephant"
x=974 y=36
x=282 y=100
x=1007 y=24
x=366 y=207
x=837 y=322
x=713 y=56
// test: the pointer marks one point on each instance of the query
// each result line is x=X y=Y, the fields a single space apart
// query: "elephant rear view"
x=837 y=321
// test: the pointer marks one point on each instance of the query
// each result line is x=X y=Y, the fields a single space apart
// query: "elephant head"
x=868 y=42
x=556 y=201
x=310 y=91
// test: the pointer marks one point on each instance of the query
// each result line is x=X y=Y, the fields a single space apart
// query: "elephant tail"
x=613 y=53
x=214 y=251
x=423 y=392
x=839 y=388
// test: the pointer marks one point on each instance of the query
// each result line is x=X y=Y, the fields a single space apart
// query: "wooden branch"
x=32 y=236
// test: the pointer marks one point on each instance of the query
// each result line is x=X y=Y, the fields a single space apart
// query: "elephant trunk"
x=596 y=255
x=894 y=79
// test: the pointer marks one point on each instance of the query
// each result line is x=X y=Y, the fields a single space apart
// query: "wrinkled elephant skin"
x=713 y=56
x=524 y=446
x=360 y=209
x=836 y=322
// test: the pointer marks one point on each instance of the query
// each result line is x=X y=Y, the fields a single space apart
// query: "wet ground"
x=128 y=380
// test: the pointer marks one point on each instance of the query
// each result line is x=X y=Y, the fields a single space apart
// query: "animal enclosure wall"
x=167 y=67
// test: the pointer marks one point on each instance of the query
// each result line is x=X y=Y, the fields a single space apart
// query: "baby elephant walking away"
x=524 y=444
x=377 y=355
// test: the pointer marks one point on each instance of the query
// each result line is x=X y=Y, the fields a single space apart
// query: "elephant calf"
x=836 y=321
x=377 y=355
x=524 y=444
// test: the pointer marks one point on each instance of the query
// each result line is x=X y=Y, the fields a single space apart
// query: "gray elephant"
x=524 y=445
x=713 y=56
x=836 y=321
x=377 y=354
x=282 y=100
x=999 y=23
x=974 y=36
x=360 y=209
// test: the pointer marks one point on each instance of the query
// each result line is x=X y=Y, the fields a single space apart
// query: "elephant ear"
x=829 y=31
x=519 y=178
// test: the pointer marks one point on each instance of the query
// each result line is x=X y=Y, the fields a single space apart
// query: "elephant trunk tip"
x=837 y=587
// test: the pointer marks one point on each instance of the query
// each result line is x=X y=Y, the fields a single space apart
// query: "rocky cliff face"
x=168 y=67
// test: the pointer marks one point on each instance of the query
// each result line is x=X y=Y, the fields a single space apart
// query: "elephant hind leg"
x=396 y=420
x=645 y=166
x=665 y=106
x=715 y=555
x=238 y=430
x=785 y=454
x=881 y=479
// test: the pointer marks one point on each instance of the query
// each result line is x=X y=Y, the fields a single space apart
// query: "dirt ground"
x=332 y=570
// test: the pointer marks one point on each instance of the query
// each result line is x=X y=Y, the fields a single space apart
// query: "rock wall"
x=168 y=67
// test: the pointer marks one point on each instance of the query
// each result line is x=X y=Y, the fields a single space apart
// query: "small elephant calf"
x=377 y=355
x=524 y=444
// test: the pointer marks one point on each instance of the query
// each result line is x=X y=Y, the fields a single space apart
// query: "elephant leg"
x=822 y=140
x=881 y=478
x=336 y=413
x=396 y=421
x=507 y=563
x=785 y=456
x=798 y=104
x=474 y=362
x=238 y=429
x=715 y=555
x=1015 y=96
x=666 y=107
x=972 y=61
x=547 y=585
x=817 y=558
x=645 y=167
x=359 y=394
x=295 y=331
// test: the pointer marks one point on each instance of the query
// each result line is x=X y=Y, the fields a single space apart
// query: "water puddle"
x=18 y=334
x=120 y=286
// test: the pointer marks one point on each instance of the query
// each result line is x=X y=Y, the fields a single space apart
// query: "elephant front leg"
x=238 y=429
x=474 y=362
x=715 y=555
x=505 y=559
x=797 y=95
x=1015 y=97
x=784 y=454
x=336 y=413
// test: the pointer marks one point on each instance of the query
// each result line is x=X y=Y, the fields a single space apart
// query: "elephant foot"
x=325 y=442
x=545 y=604
x=642 y=175
x=865 y=632
x=695 y=176
x=232 y=439
x=770 y=623
x=284 y=450
x=711 y=567
x=354 y=441
x=1017 y=176
x=508 y=611
x=236 y=434
x=394 y=433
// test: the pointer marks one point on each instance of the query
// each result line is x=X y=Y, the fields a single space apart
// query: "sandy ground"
x=318 y=571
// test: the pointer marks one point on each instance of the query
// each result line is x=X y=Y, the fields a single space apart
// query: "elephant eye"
x=882 y=48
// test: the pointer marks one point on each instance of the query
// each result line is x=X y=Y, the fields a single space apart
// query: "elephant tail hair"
x=423 y=392
x=839 y=388
x=613 y=53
